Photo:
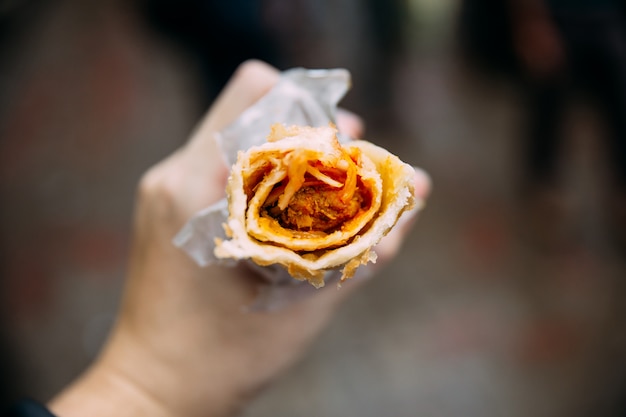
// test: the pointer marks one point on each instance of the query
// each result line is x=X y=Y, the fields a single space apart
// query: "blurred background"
x=508 y=298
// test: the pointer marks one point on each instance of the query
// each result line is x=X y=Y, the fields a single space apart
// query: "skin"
x=182 y=344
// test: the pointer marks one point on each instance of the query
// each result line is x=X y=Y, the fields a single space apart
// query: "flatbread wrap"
x=304 y=201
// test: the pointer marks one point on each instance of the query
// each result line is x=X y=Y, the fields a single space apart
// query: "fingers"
x=252 y=80
x=199 y=171
x=350 y=124
x=423 y=184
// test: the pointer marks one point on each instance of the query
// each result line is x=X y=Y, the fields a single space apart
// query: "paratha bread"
x=304 y=201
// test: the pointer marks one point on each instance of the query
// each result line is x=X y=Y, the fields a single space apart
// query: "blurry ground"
x=480 y=316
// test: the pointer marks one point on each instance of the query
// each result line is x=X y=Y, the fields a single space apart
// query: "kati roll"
x=304 y=201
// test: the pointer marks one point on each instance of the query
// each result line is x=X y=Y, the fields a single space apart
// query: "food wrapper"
x=298 y=111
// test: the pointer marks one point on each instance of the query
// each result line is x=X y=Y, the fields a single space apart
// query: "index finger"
x=251 y=81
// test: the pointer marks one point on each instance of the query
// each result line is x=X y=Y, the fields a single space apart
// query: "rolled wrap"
x=304 y=201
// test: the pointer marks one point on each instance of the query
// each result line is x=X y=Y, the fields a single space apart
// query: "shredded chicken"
x=318 y=208
x=319 y=192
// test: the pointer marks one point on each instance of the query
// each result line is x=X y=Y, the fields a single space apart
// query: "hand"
x=183 y=345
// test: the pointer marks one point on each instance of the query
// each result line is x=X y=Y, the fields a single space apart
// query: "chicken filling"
x=317 y=207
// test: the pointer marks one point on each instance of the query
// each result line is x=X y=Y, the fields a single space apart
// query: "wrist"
x=132 y=380
x=102 y=392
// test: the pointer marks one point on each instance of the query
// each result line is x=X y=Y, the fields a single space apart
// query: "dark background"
x=508 y=298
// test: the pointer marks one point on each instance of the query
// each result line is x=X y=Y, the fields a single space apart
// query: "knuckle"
x=251 y=67
x=158 y=191
x=254 y=71
x=151 y=183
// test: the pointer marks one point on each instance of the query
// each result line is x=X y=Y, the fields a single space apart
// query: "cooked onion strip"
x=316 y=173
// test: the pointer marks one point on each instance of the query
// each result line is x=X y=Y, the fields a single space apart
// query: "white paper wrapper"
x=301 y=97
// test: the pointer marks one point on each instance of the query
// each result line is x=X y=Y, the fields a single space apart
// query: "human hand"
x=183 y=345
